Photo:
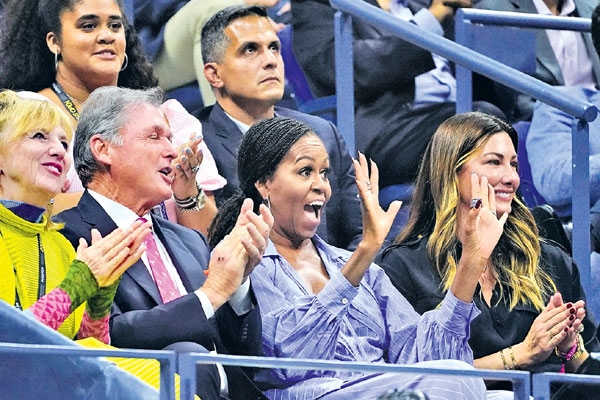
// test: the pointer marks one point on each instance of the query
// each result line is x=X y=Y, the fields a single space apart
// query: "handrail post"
x=464 y=76
x=581 y=201
x=167 y=380
x=186 y=366
x=344 y=79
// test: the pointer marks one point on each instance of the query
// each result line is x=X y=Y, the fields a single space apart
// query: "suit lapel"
x=225 y=129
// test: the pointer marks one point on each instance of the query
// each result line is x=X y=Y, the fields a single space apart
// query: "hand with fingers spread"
x=234 y=258
x=376 y=221
x=185 y=167
x=109 y=257
x=478 y=229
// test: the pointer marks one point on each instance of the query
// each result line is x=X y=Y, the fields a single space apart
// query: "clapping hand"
x=109 y=257
x=556 y=327
x=234 y=258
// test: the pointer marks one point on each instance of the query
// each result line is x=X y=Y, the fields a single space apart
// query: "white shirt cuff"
x=206 y=304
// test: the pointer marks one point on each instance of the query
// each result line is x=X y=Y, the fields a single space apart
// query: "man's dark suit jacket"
x=140 y=319
x=341 y=223
x=547 y=68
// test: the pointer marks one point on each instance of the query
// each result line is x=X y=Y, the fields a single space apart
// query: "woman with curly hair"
x=529 y=293
x=49 y=41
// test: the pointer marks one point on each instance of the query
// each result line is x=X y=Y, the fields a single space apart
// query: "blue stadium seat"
x=188 y=95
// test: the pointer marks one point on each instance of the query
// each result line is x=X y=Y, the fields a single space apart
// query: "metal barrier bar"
x=541 y=382
x=524 y=20
x=344 y=67
x=167 y=359
x=187 y=362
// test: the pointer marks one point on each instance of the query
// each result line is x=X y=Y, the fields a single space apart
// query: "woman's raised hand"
x=481 y=228
x=478 y=231
x=109 y=257
x=376 y=222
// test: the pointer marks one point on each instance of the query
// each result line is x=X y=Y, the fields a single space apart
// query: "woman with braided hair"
x=321 y=302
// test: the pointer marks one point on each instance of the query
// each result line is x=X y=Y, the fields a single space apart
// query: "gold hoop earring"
x=126 y=62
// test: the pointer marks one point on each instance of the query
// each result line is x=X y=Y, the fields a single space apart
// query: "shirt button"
x=344 y=301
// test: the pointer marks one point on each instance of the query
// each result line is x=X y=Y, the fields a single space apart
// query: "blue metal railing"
x=188 y=361
x=583 y=111
x=167 y=359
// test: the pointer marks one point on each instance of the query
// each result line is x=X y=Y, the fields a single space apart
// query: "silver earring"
x=126 y=62
x=267 y=202
x=56 y=61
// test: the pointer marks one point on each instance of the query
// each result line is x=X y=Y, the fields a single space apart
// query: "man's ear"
x=53 y=43
x=100 y=150
x=211 y=72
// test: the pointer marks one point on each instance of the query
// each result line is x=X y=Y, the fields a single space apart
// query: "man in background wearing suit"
x=563 y=58
x=243 y=64
x=123 y=155
x=402 y=92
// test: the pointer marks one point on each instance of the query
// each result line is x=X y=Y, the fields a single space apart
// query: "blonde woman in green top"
x=40 y=272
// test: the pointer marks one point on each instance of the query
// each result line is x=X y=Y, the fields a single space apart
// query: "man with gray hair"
x=167 y=300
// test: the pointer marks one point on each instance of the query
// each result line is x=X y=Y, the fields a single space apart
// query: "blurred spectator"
x=549 y=144
x=563 y=58
x=402 y=92
x=549 y=152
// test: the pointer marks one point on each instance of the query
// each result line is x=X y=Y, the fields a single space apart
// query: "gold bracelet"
x=503 y=359
x=513 y=359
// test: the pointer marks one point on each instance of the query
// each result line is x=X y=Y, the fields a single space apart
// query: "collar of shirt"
x=26 y=211
x=335 y=255
x=567 y=8
x=241 y=126
x=399 y=8
x=121 y=215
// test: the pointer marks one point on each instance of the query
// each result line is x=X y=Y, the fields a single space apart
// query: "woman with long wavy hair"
x=531 y=299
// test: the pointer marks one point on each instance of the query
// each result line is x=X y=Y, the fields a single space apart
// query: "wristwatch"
x=192 y=203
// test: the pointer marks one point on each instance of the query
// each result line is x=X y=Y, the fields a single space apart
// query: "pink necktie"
x=166 y=287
